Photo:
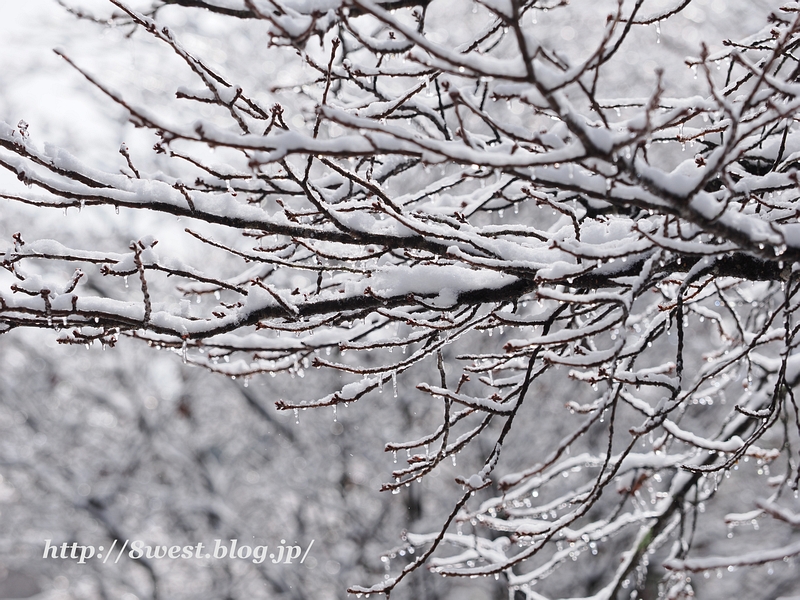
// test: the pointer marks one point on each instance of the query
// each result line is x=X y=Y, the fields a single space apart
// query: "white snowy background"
x=130 y=442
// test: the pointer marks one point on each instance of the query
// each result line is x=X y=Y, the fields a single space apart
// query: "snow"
x=475 y=481
x=478 y=231
x=732 y=444
x=757 y=557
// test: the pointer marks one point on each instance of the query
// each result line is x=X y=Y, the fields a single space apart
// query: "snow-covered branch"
x=484 y=220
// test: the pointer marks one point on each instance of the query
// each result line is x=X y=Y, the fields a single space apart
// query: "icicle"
x=297 y=416
x=394 y=383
